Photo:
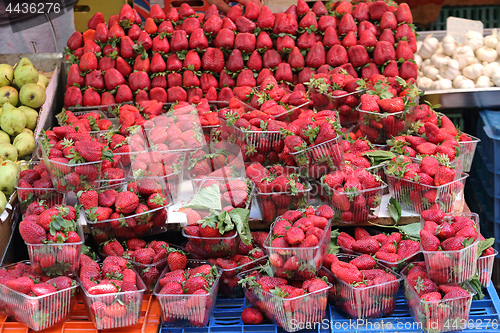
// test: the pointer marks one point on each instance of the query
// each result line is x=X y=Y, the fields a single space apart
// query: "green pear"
x=8 y=152
x=9 y=94
x=3 y=202
x=12 y=120
x=43 y=79
x=32 y=95
x=31 y=116
x=25 y=73
x=4 y=137
x=27 y=130
x=6 y=75
x=8 y=173
x=25 y=144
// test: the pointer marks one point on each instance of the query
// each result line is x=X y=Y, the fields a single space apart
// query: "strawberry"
x=75 y=41
x=444 y=175
x=126 y=202
x=366 y=246
x=429 y=241
x=391 y=105
x=88 y=199
x=31 y=232
x=22 y=284
x=251 y=316
x=195 y=283
x=316 y=56
x=364 y=262
x=177 y=260
x=403 y=14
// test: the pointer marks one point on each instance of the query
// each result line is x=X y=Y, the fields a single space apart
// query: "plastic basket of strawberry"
x=166 y=166
x=274 y=100
x=54 y=239
x=112 y=293
x=364 y=288
x=177 y=130
x=148 y=259
x=389 y=249
x=485 y=264
x=290 y=305
x=418 y=186
x=467 y=147
x=247 y=257
x=92 y=120
x=437 y=307
x=449 y=243
x=131 y=210
x=336 y=92
x=34 y=300
x=257 y=135
x=298 y=242
x=73 y=159
x=34 y=187
x=276 y=195
x=355 y=194
x=187 y=296
x=386 y=111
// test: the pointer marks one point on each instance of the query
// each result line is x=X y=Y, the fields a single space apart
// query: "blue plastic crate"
x=490 y=205
x=226 y=318
x=489 y=179
x=488 y=131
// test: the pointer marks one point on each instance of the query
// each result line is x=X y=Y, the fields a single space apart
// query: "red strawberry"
x=316 y=56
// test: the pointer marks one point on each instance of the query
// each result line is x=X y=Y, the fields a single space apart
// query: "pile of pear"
x=22 y=93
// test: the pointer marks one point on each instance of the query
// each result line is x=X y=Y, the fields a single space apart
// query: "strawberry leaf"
x=394 y=209
x=206 y=198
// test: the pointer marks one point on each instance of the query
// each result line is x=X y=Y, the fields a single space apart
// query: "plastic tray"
x=354 y=300
x=309 y=258
x=485 y=268
x=131 y=299
x=450 y=196
x=484 y=317
x=175 y=308
x=227 y=287
x=26 y=309
x=466 y=152
x=348 y=119
x=67 y=256
x=427 y=312
x=212 y=247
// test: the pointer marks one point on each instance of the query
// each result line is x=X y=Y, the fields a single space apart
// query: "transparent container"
x=443 y=316
x=28 y=310
x=185 y=310
x=89 y=174
x=452 y=266
x=27 y=195
x=298 y=200
x=449 y=197
x=310 y=259
x=320 y=159
x=345 y=103
x=466 y=152
x=485 y=268
x=213 y=247
x=358 y=214
x=366 y=302
x=229 y=286
x=285 y=312
x=131 y=299
x=380 y=127
x=57 y=258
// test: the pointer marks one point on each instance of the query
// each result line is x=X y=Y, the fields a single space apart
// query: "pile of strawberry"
x=247 y=257
x=304 y=233
x=149 y=259
x=313 y=142
x=285 y=301
x=387 y=107
x=363 y=288
x=34 y=188
x=277 y=194
x=425 y=185
x=179 y=294
x=75 y=157
x=209 y=119
x=355 y=193
x=124 y=213
x=256 y=171
x=39 y=301
x=436 y=305
x=177 y=129
x=337 y=91
x=113 y=291
x=357 y=151
x=450 y=245
x=392 y=250
x=52 y=238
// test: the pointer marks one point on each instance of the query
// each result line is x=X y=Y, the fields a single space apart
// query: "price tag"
x=458 y=27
